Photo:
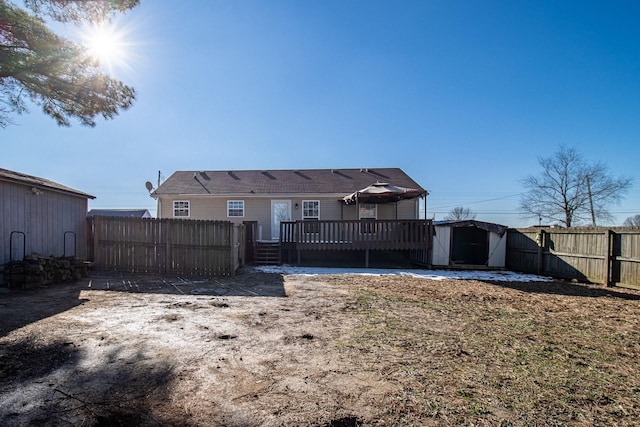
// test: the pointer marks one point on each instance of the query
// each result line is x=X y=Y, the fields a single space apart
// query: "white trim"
x=243 y=209
x=310 y=217
x=309 y=196
x=188 y=208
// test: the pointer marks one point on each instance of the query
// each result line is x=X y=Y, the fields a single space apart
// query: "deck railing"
x=356 y=234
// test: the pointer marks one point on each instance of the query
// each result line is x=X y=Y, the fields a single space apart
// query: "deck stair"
x=267 y=253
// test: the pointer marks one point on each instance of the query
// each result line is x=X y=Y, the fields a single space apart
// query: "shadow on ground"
x=20 y=307
x=569 y=289
x=245 y=283
x=47 y=385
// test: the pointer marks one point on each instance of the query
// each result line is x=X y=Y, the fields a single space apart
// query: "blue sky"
x=464 y=96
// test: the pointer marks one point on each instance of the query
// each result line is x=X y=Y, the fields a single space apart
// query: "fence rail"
x=610 y=256
x=190 y=247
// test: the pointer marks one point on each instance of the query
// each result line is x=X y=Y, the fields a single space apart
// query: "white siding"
x=441 y=246
x=497 y=250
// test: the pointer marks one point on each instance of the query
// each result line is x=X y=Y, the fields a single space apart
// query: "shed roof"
x=486 y=226
x=21 y=178
x=123 y=213
x=290 y=181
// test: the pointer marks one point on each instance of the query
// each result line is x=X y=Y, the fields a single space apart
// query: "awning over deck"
x=382 y=192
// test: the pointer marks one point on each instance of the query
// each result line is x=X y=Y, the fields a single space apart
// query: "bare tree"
x=569 y=190
x=459 y=214
x=632 y=221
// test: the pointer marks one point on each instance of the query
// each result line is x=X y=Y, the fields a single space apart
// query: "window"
x=235 y=208
x=311 y=212
x=368 y=213
x=311 y=209
x=181 y=208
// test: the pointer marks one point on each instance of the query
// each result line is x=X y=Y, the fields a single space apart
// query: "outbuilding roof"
x=123 y=213
x=486 y=226
x=291 y=181
x=39 y=183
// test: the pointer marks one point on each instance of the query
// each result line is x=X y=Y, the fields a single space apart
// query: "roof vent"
x=268 y=175
x=301 y=175
x=374 y=172
x=342 y=174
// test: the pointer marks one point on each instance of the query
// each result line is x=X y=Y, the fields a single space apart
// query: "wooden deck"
x=358 y=235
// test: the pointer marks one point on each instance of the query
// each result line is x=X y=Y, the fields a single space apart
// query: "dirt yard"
x=266 y=349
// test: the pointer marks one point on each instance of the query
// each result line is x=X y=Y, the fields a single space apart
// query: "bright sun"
x=105 y=44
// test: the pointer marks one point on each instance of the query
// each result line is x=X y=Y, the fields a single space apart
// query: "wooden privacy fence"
x=169 y=246
x=610 y=256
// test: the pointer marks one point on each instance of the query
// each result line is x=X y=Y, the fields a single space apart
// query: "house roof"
x=126 y=213
x=21 y=178
x=264 y=182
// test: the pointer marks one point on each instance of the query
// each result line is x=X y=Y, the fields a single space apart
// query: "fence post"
x=607 y=258
x=541 y=240
x=232 y=247
x=167 y=246
x=94 y=236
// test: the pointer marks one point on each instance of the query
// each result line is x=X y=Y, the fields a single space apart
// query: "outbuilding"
x=469 y=244
x=40 y=216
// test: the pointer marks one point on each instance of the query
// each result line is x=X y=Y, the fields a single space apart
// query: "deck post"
x=366 y=258
x=428 y=244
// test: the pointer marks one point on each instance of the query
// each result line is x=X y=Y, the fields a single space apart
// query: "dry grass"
x=473 y=353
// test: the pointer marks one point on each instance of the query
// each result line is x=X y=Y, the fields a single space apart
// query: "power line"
x=477 y=201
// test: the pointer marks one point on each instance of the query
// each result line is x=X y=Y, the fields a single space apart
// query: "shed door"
x=469 y=245
x=280 y=211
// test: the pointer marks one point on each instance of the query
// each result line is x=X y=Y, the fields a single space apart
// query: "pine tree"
x=39 y=66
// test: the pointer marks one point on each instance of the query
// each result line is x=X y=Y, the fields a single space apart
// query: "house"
x=272 y=196
x=121 y=213
x=40 y=216
x=310 y=199
x=469 y=244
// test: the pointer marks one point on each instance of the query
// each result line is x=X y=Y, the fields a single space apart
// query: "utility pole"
x=593 y=214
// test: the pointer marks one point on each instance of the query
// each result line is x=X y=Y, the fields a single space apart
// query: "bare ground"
x=337 y=350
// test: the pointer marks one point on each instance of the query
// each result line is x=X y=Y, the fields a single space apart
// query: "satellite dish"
x=149 y=186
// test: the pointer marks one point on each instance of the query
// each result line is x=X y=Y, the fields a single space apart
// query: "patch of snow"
x=495 y=276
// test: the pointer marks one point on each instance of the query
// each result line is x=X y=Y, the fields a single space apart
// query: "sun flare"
x=105 y=44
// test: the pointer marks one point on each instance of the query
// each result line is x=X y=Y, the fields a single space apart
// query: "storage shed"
x=40 y=216
x=469 y=244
